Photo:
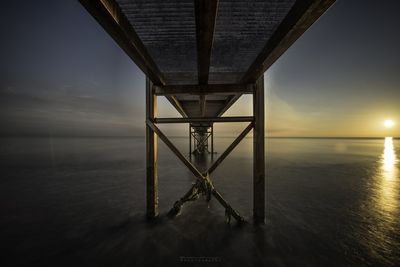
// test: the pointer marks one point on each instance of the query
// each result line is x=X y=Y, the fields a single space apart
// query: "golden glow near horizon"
x=388 y=123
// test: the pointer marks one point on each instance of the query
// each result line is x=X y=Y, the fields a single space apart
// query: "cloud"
x=58 y=112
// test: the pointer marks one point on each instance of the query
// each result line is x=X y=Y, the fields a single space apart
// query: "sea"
x=81 y=201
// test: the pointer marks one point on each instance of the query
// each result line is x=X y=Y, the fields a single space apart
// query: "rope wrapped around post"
x=200 y=187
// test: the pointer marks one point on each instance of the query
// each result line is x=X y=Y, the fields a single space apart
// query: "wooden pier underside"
x=202 y=55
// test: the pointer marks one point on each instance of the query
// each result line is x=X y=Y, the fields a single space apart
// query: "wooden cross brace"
x=201 y=142
x=203 y=184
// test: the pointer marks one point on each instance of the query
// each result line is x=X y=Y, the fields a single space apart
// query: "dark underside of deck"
x=203 y=55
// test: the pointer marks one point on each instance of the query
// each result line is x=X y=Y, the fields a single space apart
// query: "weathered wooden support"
x=202 y=105
x=258 y=153
x=176 y=151
x=202 y=144
x=301 y=16
x=119 y=19
x=230 y=148
x=109 y=16
x=177 y=105
x=204 y=119
x=190 y=140
x=229 y=211
x=209 y=89
x=203 y=179
x=151 y=154
x=205 y=15
x=195 y=138
x=212 y=139
x=229 y=102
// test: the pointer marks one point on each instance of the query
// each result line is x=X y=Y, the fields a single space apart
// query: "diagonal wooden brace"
x=202 y=142
x=204 y=187
x=176 y=151
x=203 y=181
x=191 y=195
x=195 y=138
x=231 y=147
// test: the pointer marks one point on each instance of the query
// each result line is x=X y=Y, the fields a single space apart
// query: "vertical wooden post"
x=190 y=140
x=194 y=141
x=258 y=153
x=151 y=154
x=212 y=139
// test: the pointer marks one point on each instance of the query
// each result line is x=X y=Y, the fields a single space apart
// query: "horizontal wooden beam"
x=205 y=15
x=302 y=15
x=205 y=119
x=195 y=102
x=202 y=100
x=109 y=15
x=211 y=89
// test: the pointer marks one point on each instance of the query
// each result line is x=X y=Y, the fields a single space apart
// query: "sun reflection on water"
x=389 y=159
x=384 y=211
x=388 y=181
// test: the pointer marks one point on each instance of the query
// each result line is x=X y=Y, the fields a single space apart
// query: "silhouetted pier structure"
x=202 y=55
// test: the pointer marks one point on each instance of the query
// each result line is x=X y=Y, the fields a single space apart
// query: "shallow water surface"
x=81 y=201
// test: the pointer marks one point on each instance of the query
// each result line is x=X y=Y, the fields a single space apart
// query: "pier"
x=203 y=56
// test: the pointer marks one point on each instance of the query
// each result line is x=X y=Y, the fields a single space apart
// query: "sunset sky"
x=61 y=74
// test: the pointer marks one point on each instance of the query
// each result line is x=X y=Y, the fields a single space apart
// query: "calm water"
x=81 y=201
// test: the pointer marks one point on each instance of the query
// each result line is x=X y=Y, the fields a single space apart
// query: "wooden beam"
x=202 y=99
x=195 y=138
x=193 y=102
x=227 y=207
x=190 y=140
x=212 y=140
x=176 y=151
x=230 y=148
x=151 y=155
x=109 y=15
x=204 y=140
x=229 y=102
x=205 y=14
x=177 y=105
x=258 y=153
x=204 y=119
x=302 y=15
x=210 y=89
x=194 y=170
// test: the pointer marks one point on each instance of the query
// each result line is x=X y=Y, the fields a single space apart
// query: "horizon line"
x=180 y=136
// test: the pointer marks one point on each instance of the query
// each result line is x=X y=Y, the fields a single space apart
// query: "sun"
x=388 y=123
